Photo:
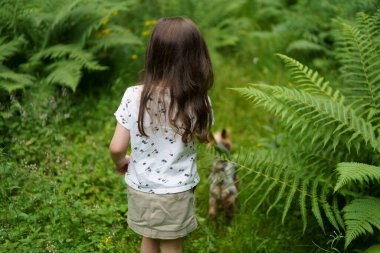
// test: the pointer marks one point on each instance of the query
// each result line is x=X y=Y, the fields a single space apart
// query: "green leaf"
x=360 y=216
x=11 y=81
x=66 y=73
x=10 y=48
x=356 y=172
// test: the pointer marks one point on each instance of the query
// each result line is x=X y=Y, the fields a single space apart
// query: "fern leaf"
x=280 y=193
x=72 y=52
x=280 y=169
x=258 y=188
x=265 y=195
x=360 y=216
x=304 y=45
x=328 y=211
x=360 y=60
x=315 y=205
x=310 y=80
x=11 y=81
x=289 y=198
x=356 y=172
x=66 y=73
x=84 y=17
x=63 y=11
x=303 y=194
x=311 y=110
x=10 y=48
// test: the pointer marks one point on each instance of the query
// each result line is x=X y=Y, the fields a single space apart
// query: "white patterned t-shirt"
x=160 y=163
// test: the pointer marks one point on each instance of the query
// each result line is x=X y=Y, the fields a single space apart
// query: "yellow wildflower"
x=145 y=33
x=105 y=21
x=134 y=56
x=150 y=22
x=114 y=13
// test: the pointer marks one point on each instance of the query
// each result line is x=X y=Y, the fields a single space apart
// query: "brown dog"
x=223 y=188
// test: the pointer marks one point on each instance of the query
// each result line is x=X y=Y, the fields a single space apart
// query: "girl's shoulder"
x=134 y=89
x=132 y=92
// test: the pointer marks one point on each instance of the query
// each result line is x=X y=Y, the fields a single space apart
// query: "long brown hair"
x=177 y=60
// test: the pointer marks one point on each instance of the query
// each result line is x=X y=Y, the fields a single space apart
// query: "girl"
x=162 y=117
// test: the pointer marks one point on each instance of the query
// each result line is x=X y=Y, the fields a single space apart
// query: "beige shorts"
x=161 y=216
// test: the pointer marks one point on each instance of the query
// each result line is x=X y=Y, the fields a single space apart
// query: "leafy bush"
x=57 y=42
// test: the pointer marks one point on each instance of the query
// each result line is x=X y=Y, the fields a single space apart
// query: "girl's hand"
x=122 y=168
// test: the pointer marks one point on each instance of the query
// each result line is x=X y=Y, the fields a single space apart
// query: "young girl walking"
x=162 y=117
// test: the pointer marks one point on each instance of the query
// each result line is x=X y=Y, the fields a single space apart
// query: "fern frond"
x=360 y=69
x=279 y=169
x=8 y=49
x=309 y=80
x=62 y=11
x=11 y=81
x=298 y=109
x=305 y=45
x=356 y=172
x=360 y=216
x=66 y=73
x=72 y=52
x=85 y=18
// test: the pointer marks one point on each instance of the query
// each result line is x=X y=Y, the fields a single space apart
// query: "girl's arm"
x=118 y=148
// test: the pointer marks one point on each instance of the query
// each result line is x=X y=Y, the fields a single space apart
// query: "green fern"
x=72 y=52
x=57 y=32
x=360 y=60
x=360 y=216
x=8 y=49
x=324 y=125
x=356 y=172
x=301 y=109
x=11 y=81
x=289 y=174
x=304 y=45
x=309 y=80
x=66 y=73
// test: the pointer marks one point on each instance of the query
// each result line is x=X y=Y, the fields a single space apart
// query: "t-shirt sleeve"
x=122 y=113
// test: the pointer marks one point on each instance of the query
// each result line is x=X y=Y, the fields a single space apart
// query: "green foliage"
x=356 y=172
x=359 y=216
x=8 y=49
x=360 y=69
x=65 y=40
x=324 y=125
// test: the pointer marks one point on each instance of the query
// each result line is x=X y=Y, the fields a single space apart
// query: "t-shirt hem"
x=162 y=190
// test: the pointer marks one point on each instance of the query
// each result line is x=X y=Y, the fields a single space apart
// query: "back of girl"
x=162 y=117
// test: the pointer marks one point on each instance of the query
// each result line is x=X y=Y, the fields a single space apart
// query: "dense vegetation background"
x=307 y=147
